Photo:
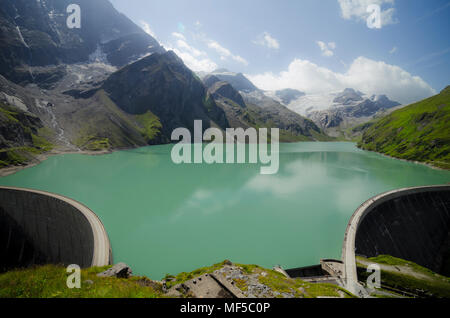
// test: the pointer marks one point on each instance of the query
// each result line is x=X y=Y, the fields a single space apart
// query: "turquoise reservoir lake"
x=166 y=218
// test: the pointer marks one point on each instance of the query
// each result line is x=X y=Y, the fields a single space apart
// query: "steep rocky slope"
x=35 y=33
x=250 y=107
x=336 y=113
x=22 y=136
x=163 y=85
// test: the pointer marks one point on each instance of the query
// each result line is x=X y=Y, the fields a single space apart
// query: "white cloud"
x=327 y=48
x=357 y=9
x=146 y=27
x=183 y=45
x=393 y=50
x=225 y=53
x=194 y=63
x=195 y=59
x=178 y=36
x=366 y=75
x=267 y=40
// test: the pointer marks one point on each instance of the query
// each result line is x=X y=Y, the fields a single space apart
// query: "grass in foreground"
x=50 y=282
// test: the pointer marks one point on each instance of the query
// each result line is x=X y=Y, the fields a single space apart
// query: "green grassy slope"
x=405 y=276
x=104 y=126
x=419 y=132
x=50 y=282
x=22 y=136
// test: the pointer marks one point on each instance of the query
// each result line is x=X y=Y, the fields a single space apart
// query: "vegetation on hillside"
x=106 y=127
x=22 y=136
x=405 y=277
x=419 y=132
x=50 y=281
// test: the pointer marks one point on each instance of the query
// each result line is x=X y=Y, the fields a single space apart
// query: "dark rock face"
x=162 y=84
x=129 y=48
x=210 y=80
x=225 y=90
x=237 y=80
x=16 y=127
x=247 y=106
x=35 y=33
x=288 y=95
x=348 y=96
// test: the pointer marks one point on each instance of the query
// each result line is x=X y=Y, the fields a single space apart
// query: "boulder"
x=120 y=270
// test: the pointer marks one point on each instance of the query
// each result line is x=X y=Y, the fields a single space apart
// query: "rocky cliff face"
x=351 y=108
x=247 y=106
x=35 y=33
x=288 y=95
x=237 y=80
x=348 y=97
x=162 y=84
x=335 y=113
x=224 y=90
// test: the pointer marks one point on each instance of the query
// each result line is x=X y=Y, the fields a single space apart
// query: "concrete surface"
x=411 y=224
x=38 y=227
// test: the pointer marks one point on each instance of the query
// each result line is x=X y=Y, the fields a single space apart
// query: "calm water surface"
x=165 y=218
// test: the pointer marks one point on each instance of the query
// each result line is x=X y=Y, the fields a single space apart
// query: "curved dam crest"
x=38 y=227
x=412 y=224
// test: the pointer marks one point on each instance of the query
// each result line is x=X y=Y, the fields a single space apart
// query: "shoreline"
x=6 y=171
x=406 y=160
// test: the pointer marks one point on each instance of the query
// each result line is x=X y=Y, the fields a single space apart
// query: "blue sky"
x=314 y=46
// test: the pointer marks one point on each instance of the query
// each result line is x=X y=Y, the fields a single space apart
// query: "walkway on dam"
x=102 y=249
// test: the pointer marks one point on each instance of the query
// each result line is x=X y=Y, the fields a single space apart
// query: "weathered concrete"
x=38 y=227
x=211 y=285
x=411 y=224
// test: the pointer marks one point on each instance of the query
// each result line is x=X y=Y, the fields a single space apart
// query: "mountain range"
x=109 y=85
x=336 y=112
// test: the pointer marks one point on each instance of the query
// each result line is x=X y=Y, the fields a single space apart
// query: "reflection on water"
x=166 y=218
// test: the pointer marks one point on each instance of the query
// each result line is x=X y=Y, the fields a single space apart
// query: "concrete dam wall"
x=38 y=228
x=412 y=224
